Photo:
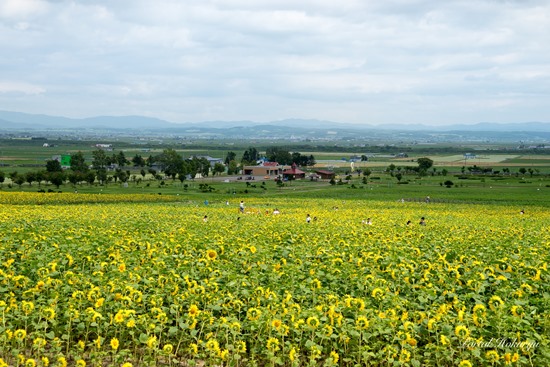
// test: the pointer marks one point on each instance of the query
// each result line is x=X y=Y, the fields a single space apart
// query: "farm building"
x=210 y=160
x=265 y=169
x=294 y=173
x=325 y=175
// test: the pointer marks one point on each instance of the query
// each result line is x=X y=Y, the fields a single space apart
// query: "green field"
x=156 y=271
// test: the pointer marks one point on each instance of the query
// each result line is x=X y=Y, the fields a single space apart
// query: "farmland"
x=144 y=280
x=157 y=271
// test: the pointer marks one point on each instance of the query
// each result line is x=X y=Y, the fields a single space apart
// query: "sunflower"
x=211 y=255
x=62 y=361
x=168 y=348
x=312 y=322
x=276 y=324
x=235 y=326
x=253 y=314
x=213 y=346
x=39 y=342
x=193 y=348
x=335 y=357
x=405 y=356
x=193 y=311
x=273 y=344
x=292 y=354
x=241 y=346
x=377 y=293
x=27 y=307
x=517 y=311
x=49 y=313
x=462 y=331
x=495 y=303
x=492 y=356
x=152 y=342
x=119 y=317
x=361 y=323
x=114 y=343
x=20 y=334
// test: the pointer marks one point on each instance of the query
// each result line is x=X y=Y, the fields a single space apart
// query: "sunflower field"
x=148 y=281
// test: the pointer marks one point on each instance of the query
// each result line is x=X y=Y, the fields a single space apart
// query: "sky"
x=376 y=62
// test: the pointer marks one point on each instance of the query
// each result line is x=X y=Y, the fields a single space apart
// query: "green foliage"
x=424 y=163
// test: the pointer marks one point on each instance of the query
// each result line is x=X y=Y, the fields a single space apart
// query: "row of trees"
x=272 y=154
x=169 y=162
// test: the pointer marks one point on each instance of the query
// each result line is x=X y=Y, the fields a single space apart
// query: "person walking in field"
x=308 y=219
x=241 y=206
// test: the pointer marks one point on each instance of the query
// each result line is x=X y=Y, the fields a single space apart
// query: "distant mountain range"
x=23 y=121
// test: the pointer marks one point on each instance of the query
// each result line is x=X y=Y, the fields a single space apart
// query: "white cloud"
x=20 y=88
x=237 y=59
x=22 y=9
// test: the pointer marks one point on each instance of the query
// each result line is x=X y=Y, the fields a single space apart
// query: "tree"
x=2 y=178
x=201 y=166
x=522 y=170
x=182 y=177
x=219 y=168
x=448 y=183
x=74 y=177
x=250 y=156
x=90 y=178
x=138 y=161
x=100 y=159
x=30 y=177
x=120 y=159
x=424 y=164
x=78 y=162
x=102 y=176
x=229 y=157
x=233 y=167
x=53 y=165
x=170 y=162
x=399 y=176
x=20 y=180
x=121 y=175
x=56 y=178
x=40 y=176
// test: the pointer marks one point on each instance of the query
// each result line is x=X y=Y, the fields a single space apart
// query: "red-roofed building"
x=325 y=175
x=293 y=173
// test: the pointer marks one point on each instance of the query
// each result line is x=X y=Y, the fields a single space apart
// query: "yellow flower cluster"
x=128 y=275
